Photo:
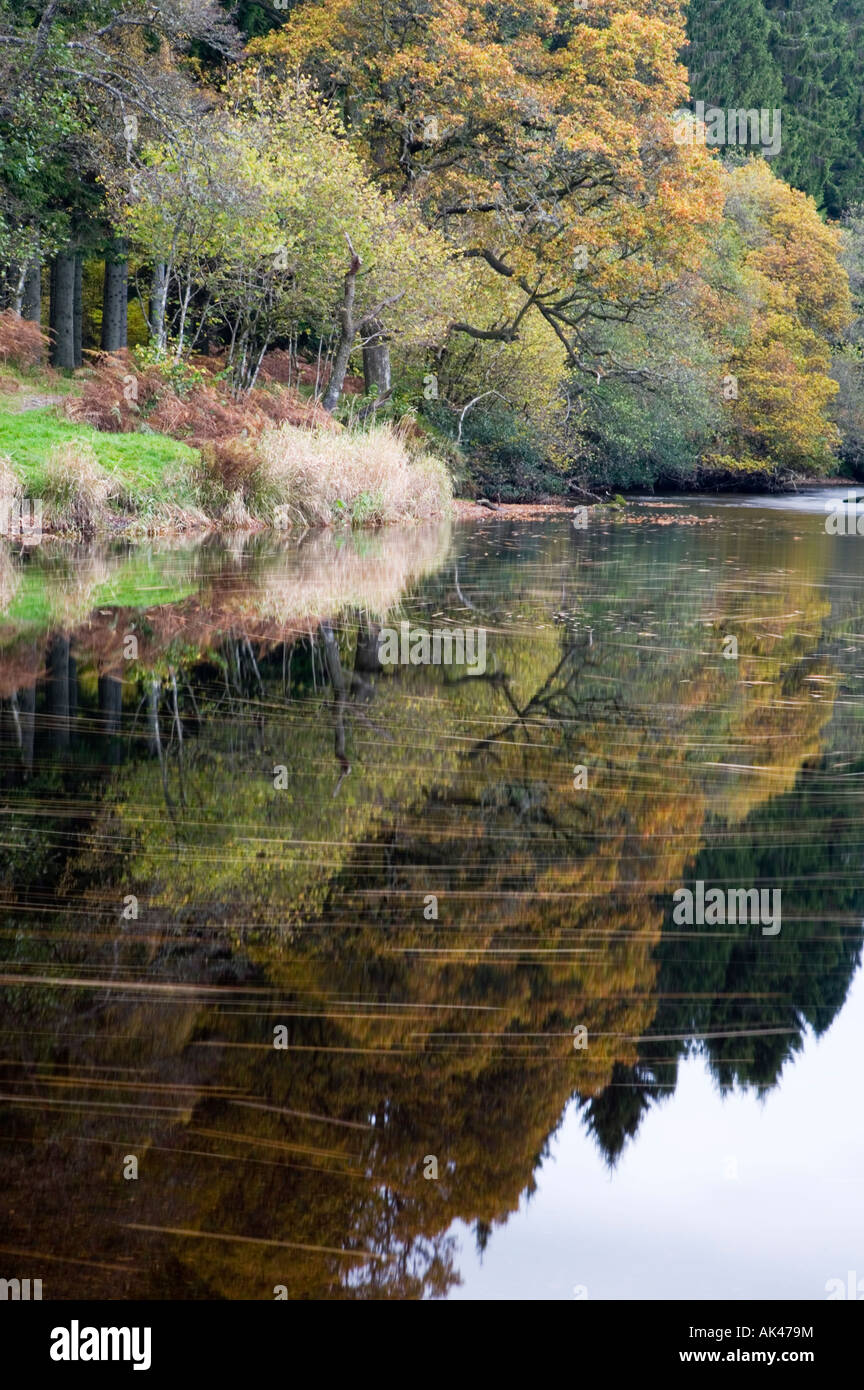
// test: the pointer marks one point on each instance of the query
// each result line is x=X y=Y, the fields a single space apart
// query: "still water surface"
x=221 y=818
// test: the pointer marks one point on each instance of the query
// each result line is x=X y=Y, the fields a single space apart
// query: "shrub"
x=127 y=390
x=639 y=434
x=232 y=482
x=503 y=459
x=22 y=343
x=117 y=395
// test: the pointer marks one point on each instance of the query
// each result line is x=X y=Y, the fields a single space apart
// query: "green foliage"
x=503 y=456
x=803 y=57
x=180 y=374
x=366 y=507
x=255 y=222
x=644 y=435
x=653 y=425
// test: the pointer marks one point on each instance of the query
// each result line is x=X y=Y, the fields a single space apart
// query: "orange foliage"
x=121 y=396
x=22 y=343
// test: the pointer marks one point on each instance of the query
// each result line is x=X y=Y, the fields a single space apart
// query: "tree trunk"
x=78 y=309
x=376 y=360
x=367 y=661
x=158 y=297
x=17 y=277
x=333 y=665
x=27 y=716
x=115 y=298
x=63 y=311
x=111 y=712
x=347 y=334
x=110 y=703
x=154 y=737
x=31 y=307
x=366 y=657
x=73 y=691
x=8 y=279
x=58 y=692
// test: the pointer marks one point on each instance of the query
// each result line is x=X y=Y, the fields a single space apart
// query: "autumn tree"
x=254 y=232
x=789 y=298
x=536 y=138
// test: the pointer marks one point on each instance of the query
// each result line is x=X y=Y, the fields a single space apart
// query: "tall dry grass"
x=76 y=490
x=329 y=575
x=73 y=585
x=11 y=493
x=365 y=477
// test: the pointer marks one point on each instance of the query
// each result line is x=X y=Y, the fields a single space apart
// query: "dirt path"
x=28 y=400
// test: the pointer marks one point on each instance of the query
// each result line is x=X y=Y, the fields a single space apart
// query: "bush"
x=638 y=437
x=232 y=480
x=116 y=396
x=127 y=391
x=503 y=459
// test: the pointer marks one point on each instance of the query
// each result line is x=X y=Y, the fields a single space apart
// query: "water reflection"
x=239 y=823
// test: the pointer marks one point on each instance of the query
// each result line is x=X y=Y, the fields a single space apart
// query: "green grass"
x=29 y=436
x=30 y=607
x=35 y=380
x=140 y=583
x=151 y=468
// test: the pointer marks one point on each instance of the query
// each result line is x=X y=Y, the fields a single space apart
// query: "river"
x=328 y=978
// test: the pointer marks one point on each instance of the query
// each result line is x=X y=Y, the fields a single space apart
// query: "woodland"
x=477 y=217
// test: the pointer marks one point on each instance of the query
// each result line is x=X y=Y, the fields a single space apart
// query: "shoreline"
x=464 y=510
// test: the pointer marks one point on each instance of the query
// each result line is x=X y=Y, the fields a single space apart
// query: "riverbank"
x=126 y=448
x=279 y=461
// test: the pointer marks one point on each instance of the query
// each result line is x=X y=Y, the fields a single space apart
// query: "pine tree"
x=803 y=56
x=729 y=56
x=811 y=46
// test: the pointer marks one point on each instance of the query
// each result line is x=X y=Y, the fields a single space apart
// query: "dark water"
x=248 y=826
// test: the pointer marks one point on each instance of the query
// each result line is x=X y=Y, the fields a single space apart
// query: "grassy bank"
x=92 y=481
x=88 y=481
